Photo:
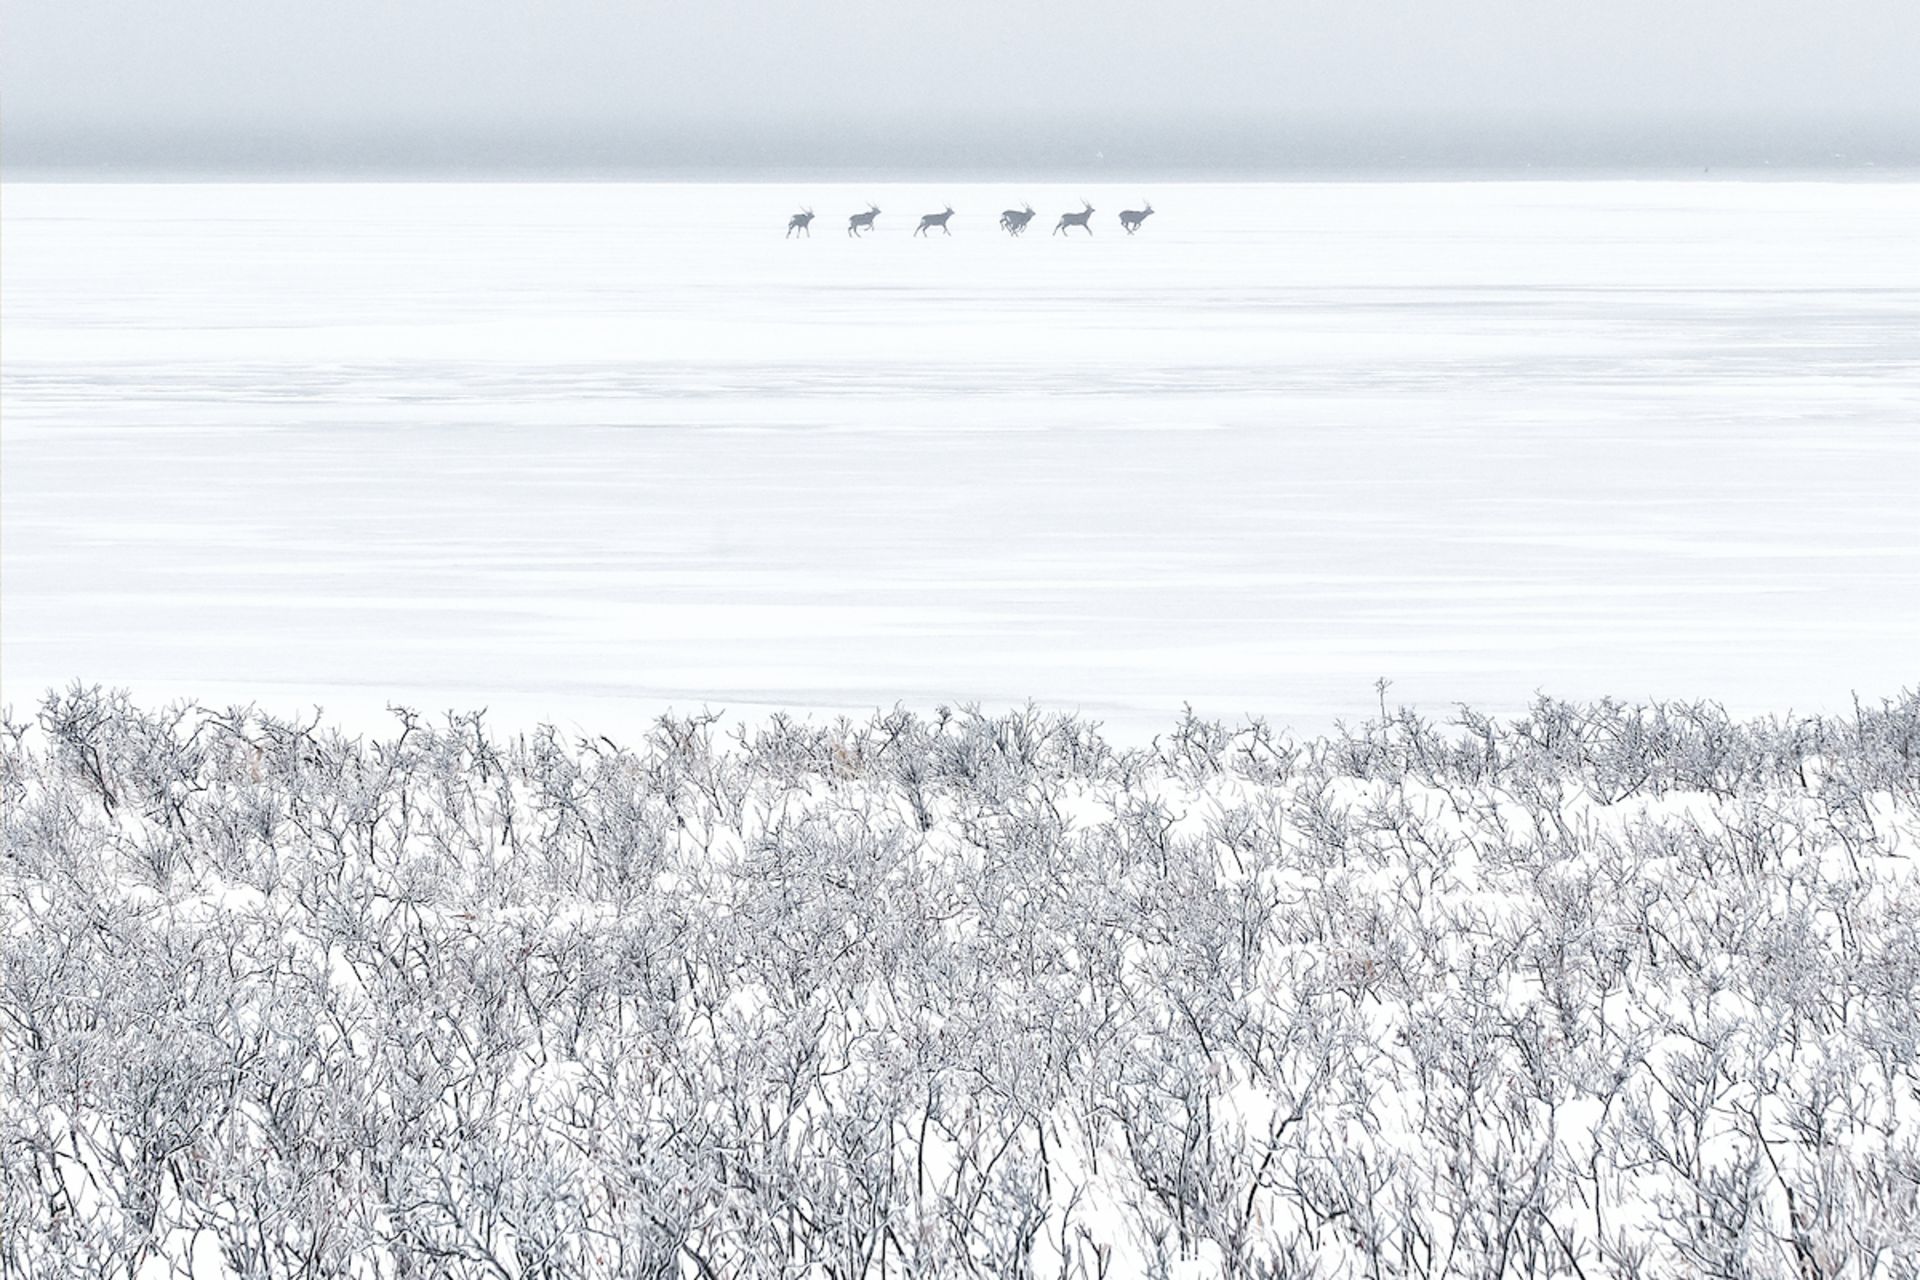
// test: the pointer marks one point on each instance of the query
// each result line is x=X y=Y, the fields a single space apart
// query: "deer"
x=934 y=220
x=1132 y=218
x=801 y=222
x=863 y=221
x=1075 y=220
x=1015 y=220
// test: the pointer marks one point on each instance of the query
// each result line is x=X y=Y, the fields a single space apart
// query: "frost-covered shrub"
x=1601 y=990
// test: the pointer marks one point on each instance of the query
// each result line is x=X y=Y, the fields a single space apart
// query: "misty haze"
x=1055 y=640
x=1126 y=87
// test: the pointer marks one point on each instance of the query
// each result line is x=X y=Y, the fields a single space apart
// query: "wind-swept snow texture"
x=592 y=451
x=1601 y=991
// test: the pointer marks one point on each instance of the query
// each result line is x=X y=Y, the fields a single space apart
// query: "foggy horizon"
x=580 y=88
x=1209 y=151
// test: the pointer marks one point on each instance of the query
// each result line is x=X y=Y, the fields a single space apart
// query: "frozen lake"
x=585 y=452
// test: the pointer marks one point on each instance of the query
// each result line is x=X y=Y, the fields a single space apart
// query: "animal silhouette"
x=860 y=222
x=1132 y=218
x=934 y=220
x=1075 y=220
x=1015 y=220
x=800 y=222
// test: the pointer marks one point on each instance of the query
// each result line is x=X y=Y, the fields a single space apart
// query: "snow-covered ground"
x=588 y=451
x=1599 y=991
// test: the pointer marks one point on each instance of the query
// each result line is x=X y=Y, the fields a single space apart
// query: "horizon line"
x=90 y=175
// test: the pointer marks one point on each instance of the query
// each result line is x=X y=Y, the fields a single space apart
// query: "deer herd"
x=1012 y=221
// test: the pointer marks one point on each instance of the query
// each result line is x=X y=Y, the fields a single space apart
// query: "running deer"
x=1015 y=220
x=934 y=220
x=1075 y=220
x=1132 y=218
x=801 y=222
x=863 y=221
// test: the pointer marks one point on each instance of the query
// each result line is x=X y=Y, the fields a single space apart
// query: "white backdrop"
x=585 y=452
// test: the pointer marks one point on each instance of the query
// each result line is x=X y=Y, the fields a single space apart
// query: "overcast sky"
x=1246 y=84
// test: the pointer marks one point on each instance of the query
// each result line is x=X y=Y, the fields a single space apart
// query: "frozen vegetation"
x=1597 y=990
